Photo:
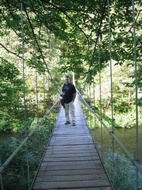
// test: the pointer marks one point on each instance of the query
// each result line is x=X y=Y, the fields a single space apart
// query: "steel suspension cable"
x=36 y=79
x=89 y=95
x=36 y=92
x=98 y=33
x=110 y=56
x=136 y=87
x=100 y=92
x=38 y=45
x=111 y=86
x=95 y=119
x=44 y=93
x=24 y=91
x=94 y=97
x=113 y=136
x=5 y=164
x=23 y=59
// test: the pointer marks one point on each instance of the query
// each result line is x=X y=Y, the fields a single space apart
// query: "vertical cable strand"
x=44 y=92
x=136 y=86
x=94 y=97
x=36 y=81
x=24 y=91
x=23 y=63
x=100 y=89
x=110 y=55
x=111 y=86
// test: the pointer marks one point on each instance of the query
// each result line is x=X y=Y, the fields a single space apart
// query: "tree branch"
x=31 y=26
x=63 y=11
x=10 y=51
x=98 y=35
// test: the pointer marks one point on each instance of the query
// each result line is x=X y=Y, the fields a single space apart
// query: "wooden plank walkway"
x=71 y=160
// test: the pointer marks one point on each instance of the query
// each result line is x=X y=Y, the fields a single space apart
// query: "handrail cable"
x=136 y=86
x=135 y=162
x=4 y=165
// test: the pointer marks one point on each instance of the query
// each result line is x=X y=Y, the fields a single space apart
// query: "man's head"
x=68 y=79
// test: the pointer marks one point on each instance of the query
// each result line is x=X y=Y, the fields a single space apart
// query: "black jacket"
x=68 y=92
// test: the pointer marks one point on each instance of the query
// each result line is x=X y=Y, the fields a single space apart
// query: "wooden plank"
x=90 y=146
x=71 y=172
x=71 y=165
x=70 y=177
x=88 y=188
x=73 y=184
x=71 y=160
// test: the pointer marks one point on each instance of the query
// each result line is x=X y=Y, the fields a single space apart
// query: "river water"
x=126 y=136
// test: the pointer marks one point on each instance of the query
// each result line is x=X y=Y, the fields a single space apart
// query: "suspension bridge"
x=71 y=160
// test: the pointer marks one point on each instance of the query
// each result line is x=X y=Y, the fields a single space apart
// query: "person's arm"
x=74 y=95
x=62 y=90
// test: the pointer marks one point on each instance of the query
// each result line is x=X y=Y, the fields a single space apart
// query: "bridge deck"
x=71 y=160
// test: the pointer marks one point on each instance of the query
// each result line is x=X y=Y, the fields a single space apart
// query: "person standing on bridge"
x=69 y=94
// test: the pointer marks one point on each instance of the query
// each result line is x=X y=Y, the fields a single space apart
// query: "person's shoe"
x=74 y=124
x=67 y=122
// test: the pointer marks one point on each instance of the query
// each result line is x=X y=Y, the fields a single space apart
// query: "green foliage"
x=61 y=37
x=11 y=88
x=122 y=100
x=127 y=120
x=78 y=26
x=29 y=156
x=15 y=176
x=10 y=85
x=121 y=172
